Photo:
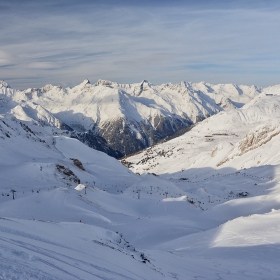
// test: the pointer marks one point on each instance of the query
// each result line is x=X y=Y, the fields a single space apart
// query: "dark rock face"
x=120 y=137
x=67 y=174
x=96 y=142
x=64 y=126
x=78 y=163
x=124 y=137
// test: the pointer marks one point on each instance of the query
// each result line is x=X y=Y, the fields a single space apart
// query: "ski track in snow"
x=35 y=249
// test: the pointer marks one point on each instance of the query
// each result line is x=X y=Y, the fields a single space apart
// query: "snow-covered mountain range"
x=219 y=141
x=120 y=119
x=204 y=205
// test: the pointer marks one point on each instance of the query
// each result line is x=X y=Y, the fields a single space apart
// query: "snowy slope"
x=63 y=233
x=32 y=152
x=212 y=213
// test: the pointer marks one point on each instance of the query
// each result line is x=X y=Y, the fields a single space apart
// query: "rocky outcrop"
x=254 y=140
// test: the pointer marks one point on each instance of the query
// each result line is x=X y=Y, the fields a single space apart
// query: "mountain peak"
x=145 y=82
x=105 y=83
x=85 y=82
x=3 y=84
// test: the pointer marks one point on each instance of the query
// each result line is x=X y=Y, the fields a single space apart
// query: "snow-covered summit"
x=84 y=84
x=105 y=83
x=4 y=84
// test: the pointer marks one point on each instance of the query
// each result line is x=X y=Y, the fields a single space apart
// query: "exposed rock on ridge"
x=253 y=140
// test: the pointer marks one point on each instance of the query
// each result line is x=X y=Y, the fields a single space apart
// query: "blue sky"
x=63 y=42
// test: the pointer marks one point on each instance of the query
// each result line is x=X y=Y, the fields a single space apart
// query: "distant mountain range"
x=121 y=119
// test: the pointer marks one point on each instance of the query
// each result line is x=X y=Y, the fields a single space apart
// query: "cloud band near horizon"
x=63 y=42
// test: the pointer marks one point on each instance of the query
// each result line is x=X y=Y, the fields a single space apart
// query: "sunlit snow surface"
x=212 y=213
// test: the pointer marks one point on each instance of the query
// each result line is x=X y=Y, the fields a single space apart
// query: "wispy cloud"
x=62 y=42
